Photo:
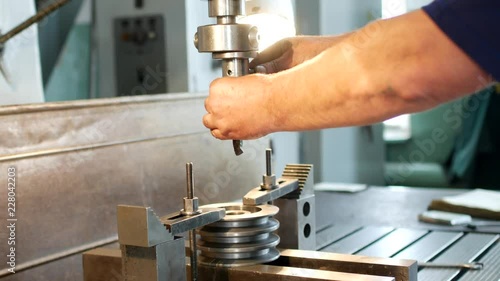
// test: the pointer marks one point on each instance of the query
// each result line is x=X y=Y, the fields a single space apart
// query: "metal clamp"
x=269 y=191
x=150 y=245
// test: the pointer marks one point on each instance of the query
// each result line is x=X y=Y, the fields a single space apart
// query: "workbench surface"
x=382 y=222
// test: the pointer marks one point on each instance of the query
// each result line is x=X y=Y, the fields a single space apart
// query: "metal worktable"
x=382 y=222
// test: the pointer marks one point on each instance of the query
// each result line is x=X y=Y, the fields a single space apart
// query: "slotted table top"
x=382 y=222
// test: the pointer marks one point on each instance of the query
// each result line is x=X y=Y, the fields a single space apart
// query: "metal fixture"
x=268 y=190
x=269 y=179
x=294 y=196
x=229 y=41
x=237 y=241
x=293 y=265
x=151 y=247
x=298 y=215
x=243 y=237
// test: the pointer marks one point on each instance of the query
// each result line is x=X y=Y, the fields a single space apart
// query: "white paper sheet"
x=340 y=187
x=478 y=198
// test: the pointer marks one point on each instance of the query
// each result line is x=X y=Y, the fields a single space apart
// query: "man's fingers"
x=283 y=62
x=269 y=54
x=217 y=134
x=208 y=121
x=271 y=67
x=207 y=106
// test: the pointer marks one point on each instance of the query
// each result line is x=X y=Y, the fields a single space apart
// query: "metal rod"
x=269 y=171
x=472 y=266
x=192 y=233
x=190 y=180
x=193 y=255
x=32 y=20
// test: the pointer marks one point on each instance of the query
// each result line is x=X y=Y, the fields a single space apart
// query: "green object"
x=467 y=142
x=70 y=79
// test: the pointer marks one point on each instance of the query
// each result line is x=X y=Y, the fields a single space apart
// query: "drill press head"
x=227 y=40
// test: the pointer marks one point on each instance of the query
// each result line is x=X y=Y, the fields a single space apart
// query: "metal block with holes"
x=298 y=223
x=297 y=211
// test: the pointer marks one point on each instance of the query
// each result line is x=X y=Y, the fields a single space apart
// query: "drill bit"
x=237 y=144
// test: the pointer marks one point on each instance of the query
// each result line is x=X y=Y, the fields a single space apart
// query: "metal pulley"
x=243 y=237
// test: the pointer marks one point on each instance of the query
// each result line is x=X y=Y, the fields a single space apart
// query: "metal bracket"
x=259 y=196
x=140 y=226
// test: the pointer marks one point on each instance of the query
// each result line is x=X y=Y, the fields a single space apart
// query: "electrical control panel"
x=140 y=52
x=144 y=47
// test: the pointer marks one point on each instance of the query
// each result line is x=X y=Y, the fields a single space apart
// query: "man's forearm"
x=390 y=67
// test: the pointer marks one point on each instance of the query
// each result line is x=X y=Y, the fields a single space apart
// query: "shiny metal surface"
x=234 y=43
x=189 y=180
x=292 y=265
x=304 y=173
x=222 y=8
x=283 y=273
x=401 y=270
x=243 y=237
x=190 y=202
x=191 y=208
x=296 y=180
x=269 y=179
x=79 y=160
x=141 y=227
x=298 y=223
x=227 y=38
x=258 y=195
x=234 y=67
x=151 y=249
x=163 y=262
x=298 y=211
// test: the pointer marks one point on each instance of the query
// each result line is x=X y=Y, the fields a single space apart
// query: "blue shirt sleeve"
x=474 y=26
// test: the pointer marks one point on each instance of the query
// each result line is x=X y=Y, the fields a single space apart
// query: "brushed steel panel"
x=76 y=161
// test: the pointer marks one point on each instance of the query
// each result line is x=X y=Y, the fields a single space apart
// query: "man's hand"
x=243 y=108
x=240 y=108
x=291 y=52
x=316 y=84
